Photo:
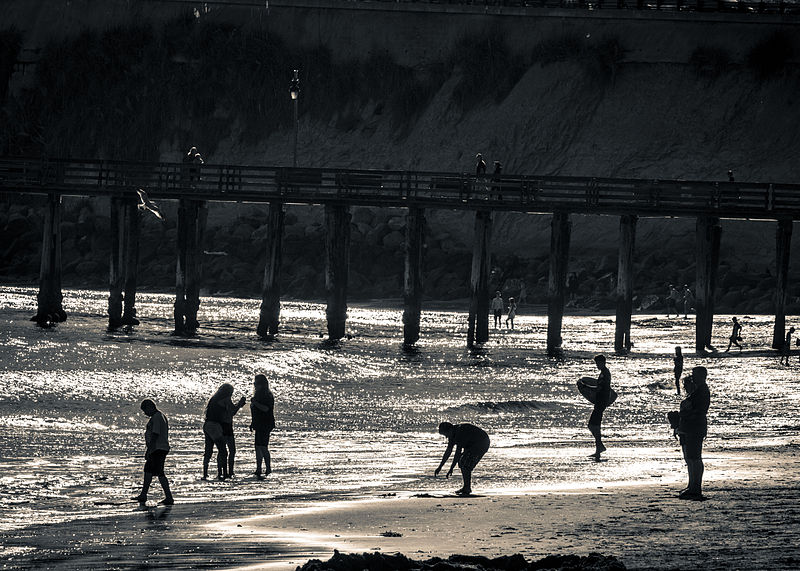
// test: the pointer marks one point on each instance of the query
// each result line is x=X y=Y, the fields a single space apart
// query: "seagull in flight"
x=147 y=204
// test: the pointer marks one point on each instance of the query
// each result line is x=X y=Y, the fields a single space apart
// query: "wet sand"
x=746 y=523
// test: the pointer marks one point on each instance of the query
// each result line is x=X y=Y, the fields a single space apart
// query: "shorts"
x=155 y=464
x=498 y=313
x=597 y=416
x=212 y=429
x=471 y=456
x=227 y=428
x=262 y=437
x=692 y=445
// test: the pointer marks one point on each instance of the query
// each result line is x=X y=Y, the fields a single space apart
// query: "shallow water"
x=358 y=418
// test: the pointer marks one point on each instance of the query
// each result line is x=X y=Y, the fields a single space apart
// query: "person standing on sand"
x=693 y=428
x=227 y=427
x=600 y=404
x=497 y=308
x=262 y=413
x=678 y=360
x=512 y=312
x=736 y=335
x=215 y=416
x=672 y=300
x=786 y=350
x=471 y=443
x=156 y=437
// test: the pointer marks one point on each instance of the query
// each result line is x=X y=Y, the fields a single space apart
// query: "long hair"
x=224 y=391
x=261 y=387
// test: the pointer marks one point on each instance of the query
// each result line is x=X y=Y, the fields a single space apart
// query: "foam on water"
x=359 y=417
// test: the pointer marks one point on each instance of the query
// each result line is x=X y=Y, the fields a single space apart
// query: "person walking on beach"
x=678 y=361
x=786 y=350
x=693 y=428
x=688 y=301
x=600 y=404
x=497 y=308
x=736 y=335
x=156 y=437
x=227 y=427
x=262 y=422
x=512 y=312
x=471 y=443
x=215 y=416
x=672 y=301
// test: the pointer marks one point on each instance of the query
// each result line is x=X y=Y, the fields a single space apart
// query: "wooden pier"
x=340 y=189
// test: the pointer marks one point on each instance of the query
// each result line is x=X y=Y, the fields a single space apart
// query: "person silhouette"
x=497 y=308
x=786 y=350
x=678 y=369
x=512 y=312
x=262 y=422
x=471 y=443
x=215 y=416
x=600 y=404
x=156 y=437
x=736 y=335
x=692 y=429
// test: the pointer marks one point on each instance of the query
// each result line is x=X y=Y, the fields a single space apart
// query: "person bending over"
x=471 y=443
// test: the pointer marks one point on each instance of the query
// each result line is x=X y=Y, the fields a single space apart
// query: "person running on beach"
x=497 y=308
x=600 y=404
x=786 y=350
x=678 y=360
x=512 y=312
x=736 y=335
x=215 y=416
x=692 y=429
x=471 y=443
x=156 y=437
x=262 y=414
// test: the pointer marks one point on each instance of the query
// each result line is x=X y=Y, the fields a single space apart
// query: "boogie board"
x=587 y=386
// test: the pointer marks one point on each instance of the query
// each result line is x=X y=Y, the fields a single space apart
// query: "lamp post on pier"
x=294 y=91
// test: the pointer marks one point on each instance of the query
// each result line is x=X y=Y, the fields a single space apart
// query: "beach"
x=356 y=444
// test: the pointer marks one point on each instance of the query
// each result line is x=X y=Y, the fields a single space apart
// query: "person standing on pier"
x=693 y=428
x=736 y=335
x=156 y=437
x=471 y=443
x=600 y=404
x=497 y=308
x=262 y=422
x=786 y=350
x=678 y=361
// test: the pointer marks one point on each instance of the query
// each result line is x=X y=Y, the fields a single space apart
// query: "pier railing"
x=528 y=193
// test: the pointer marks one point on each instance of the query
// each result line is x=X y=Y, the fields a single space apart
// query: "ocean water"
x=358 y=418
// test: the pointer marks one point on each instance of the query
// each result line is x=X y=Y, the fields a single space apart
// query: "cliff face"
x=680 y=96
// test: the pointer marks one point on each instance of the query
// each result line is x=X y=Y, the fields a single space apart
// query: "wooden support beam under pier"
x=708 y=236
x=49 y=300
x=337 y=260
x=133 y=219
x=115 y=262
x=269 y=317
x=191 y=225
x=783 y=242
x=478 y=329
x=561 y=230
x=627 y=243
x=123 y=261
x=413 y=275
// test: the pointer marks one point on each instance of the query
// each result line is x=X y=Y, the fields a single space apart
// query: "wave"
x=503 y=406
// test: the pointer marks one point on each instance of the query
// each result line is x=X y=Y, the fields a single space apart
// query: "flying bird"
x=147 y=204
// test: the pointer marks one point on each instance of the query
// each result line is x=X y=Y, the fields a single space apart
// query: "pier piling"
x=783 y=241
x=132 y=229
x=708 y=236
x=269 y=317
x=191 y=224
x=124 y=235
x=627 y=241
x=478 y=328
x=49 y=307
x=561 y=229
x=413 y=276
x=337 y=265
x=115 y=270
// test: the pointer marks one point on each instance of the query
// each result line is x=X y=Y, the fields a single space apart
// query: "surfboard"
x=587 y=386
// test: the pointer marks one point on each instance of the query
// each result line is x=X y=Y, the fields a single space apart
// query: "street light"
x=294 y=91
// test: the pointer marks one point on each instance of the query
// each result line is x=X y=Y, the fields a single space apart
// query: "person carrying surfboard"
x=471 y=443
x=601 y=402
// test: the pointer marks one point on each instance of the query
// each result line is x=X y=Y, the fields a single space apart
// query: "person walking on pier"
x=480 y=166
x=600 y=404
x=497 y=308
x=692 y=429
x=786 y=350
x=512 y=312
x=262 y=422
x=156 y=437
x=678 y=369
x=471 y=443
x=736 y=335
